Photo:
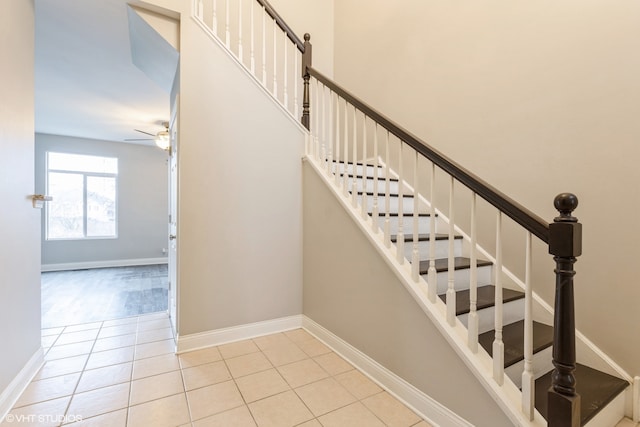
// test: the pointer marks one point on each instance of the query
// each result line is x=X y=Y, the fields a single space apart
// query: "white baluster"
x=329 y=134
x=252 y=58
x=227 y=39
x=337 y=138
x=472 y=329
x=264 y=47
x=345 y=175
x=285 y=70
x=364 y=205
x=375 y=212
x=387 y=221
x=275 y=62
x=451 y=283
x=200 y=10
x=316 y=101
x=400 y=234
x=214 y=27
x=240 y=53
x=415 y=259
x=296 y=67
x=354 y=192
x=528 y=381
x=498 y=344
x=324 y=131
x=432 y=277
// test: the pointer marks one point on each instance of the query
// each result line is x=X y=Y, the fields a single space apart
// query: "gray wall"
x=19 y=221
x=350 y=290
x=240 y=195
x=142 y=202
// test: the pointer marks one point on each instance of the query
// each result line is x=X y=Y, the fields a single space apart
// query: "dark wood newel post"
x=306 y=63
x=565 y=244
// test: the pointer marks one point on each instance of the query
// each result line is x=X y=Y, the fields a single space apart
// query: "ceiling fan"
x=161 y=138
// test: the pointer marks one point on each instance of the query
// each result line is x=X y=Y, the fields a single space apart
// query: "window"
x=84 y=196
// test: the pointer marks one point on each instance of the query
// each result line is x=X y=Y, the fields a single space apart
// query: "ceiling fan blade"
x=146 y=133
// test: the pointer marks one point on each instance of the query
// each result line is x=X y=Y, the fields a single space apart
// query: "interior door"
x=173 y=218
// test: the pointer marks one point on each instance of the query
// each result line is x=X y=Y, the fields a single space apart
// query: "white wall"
x=19 y=221
x=350 y=290
x=142 y=202
x=536 y=98
x=240 y=195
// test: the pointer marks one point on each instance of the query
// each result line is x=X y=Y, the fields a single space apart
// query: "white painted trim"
x=103 y=264
x=11 y=394
x=419 y=402
x=237 y=333
x=636 y=399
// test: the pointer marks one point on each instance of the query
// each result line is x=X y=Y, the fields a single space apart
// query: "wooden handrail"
x=283 y=25
x=527 y=219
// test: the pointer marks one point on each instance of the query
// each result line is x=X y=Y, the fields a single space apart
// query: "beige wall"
x=350 y=290
x=316 y=18
x=20 y=225
x=240 y=195
x=536 y=98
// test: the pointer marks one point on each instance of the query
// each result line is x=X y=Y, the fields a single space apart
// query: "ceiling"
x=86 y=84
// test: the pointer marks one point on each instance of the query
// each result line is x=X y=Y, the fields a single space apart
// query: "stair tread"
x=460 y=263
x=424 y=237
x=395 y=214
x=370 y=193
x=486 y=298
x=513 y=338
x=380 y=178
x=596 y=390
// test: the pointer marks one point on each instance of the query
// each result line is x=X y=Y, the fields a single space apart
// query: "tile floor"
x=123 y=372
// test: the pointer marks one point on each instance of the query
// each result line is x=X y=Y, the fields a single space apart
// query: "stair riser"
x=442 y=248
x=512 y=311
x=542 y=364
x=370 y=184
x=424 y=224
x=461 y=278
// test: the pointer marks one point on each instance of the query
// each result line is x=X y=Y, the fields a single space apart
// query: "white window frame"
x=84 y=175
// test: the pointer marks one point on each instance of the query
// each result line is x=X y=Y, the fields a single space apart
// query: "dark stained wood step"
x=596 y=389
x=513 y=338
x=486 y=298
x=380 y=178
x=408 y=214
x=370 y=193
x=424 y=237
x=460 y=263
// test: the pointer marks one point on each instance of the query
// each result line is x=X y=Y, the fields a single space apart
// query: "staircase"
x=597 y=389
x=491 y=318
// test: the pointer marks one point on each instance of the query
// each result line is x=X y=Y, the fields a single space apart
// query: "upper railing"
x=346 y=131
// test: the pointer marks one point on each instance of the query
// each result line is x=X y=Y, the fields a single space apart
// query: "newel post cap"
x=565 y=233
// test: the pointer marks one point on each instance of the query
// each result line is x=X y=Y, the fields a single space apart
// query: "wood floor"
x=82 y=296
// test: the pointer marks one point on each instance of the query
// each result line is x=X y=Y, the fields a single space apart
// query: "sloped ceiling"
x=85 y=80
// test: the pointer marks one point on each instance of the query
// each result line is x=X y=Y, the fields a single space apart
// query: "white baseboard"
x=413 y=398
x=237 y=333
x=103 y=264
x=11 y=394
